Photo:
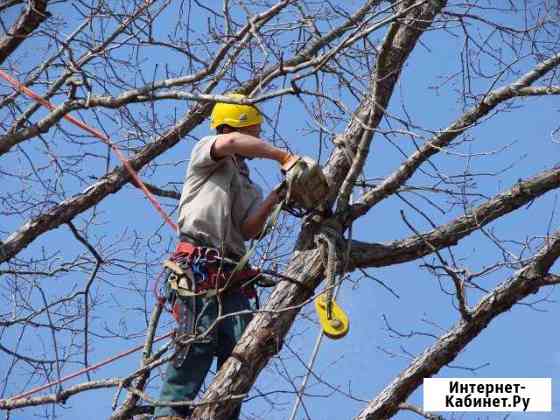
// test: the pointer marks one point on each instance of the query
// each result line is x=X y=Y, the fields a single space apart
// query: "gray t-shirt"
x=217 y=197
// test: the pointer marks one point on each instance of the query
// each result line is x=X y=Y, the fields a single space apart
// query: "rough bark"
x=268 y=328
x=263 y=335
x=250 y=356
x=393 y=182
x=35 y=14
x=308 y=57
x=114 y=181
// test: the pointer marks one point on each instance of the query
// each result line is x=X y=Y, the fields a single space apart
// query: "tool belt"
x=194 y=271
x=202 y=271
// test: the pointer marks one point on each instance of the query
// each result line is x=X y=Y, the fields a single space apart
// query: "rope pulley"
x=333 y=319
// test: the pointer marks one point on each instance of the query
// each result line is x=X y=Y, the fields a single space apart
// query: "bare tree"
x=78 y=266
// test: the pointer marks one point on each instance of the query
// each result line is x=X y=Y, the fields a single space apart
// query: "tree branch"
x=113 y=181
x=35 y=14
x=396 y=180
x=59 y=397
x=397 y=46
x=379 y=255
x=109 y=184
x=5 y=4
x=526 y=281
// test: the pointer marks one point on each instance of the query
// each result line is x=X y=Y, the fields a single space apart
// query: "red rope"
x=87 y=369
x=138 y=182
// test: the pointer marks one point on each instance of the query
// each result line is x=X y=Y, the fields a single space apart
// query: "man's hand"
x=307 y=185
x=288 y=162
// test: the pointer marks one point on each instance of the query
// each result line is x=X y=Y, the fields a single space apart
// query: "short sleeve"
x=201 y=156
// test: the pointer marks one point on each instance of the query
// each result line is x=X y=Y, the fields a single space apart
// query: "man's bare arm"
x=248 y=146
x=254 y=224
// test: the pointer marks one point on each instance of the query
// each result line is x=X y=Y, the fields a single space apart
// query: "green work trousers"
x=185 y=382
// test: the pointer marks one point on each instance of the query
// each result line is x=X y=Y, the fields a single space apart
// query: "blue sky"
x=520 y=343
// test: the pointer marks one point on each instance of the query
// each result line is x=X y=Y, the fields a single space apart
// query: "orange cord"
x=138 y=182
x=85 y=370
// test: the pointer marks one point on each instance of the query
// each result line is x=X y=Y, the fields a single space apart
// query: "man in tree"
x=220 y=208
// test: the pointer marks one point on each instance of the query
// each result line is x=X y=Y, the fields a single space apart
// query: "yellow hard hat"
x=235 y=115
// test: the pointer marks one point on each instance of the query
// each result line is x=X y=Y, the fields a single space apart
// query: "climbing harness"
x=201 y=271
x=193 y=271
x=333 y=319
